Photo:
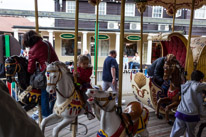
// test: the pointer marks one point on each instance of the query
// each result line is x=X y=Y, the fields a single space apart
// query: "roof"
x=7 y=23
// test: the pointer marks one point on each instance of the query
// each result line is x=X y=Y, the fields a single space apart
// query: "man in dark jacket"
x=157 y=71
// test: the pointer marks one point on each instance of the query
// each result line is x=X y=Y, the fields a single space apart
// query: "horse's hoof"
x=159 y=116
x=170 y=123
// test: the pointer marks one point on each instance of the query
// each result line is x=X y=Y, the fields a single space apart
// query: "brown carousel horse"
x=174 y=73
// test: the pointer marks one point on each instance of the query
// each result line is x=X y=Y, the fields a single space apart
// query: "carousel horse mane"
x=177 y=71
x=21 y=60
x=62 y=67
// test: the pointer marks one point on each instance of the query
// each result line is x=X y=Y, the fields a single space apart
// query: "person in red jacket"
x=83 y=74
x=39 y=53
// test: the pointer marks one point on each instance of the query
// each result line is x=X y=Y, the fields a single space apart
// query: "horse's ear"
x=114 y=94
x=46 y=63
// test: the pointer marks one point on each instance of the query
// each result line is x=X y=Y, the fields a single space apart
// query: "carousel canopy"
x=197 y=46
x=180 y=4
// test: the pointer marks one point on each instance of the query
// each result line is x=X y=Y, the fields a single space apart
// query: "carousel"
x=183 y=56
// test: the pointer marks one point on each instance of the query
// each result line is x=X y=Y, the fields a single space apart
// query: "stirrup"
x=90 y=115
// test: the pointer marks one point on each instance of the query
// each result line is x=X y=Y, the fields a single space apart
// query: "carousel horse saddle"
x=132 y=113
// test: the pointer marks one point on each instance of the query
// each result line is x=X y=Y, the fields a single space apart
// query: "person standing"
x=110 y=74
x=191 y=106
x=86 y=53
x=125 y=63
x=39 y=53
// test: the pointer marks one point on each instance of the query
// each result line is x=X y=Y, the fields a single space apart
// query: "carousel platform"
x=156 y=127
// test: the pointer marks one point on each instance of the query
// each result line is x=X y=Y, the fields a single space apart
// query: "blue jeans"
x=46 y=106
x=135 y=64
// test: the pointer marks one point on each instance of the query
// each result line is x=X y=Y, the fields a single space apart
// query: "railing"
x=99 y=73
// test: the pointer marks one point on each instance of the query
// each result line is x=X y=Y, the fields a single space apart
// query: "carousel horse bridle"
x=8 y=71
x=107 y=99
x=55 y=84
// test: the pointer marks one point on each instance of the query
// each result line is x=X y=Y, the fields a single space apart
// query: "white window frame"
x=132 y=10
x=99 y=47
x=73 y=3
x=105 y=8
x=178 y=13
x=198 y=12
x=153 y=11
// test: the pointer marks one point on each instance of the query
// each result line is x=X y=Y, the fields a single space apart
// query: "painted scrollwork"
x=140 y=92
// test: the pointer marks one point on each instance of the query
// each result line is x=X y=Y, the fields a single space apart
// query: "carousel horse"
x=130 y=123
x=14 y=121
x=174 y=73
x=68 y=103
x=18 y=64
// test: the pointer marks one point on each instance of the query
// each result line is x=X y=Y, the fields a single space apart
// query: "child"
x=190 y=107
x=84 y=72
x=125 y=63
x=202 y=123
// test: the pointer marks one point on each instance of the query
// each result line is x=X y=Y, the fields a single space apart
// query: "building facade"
x=156 y=21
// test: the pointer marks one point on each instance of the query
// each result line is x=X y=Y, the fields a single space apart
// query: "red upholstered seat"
x=175 y=46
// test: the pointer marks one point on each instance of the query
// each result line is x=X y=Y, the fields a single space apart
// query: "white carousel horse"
x=14 y=122
x=68 y=104
x=130 y=123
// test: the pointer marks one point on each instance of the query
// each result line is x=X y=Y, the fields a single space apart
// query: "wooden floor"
x=156 y=128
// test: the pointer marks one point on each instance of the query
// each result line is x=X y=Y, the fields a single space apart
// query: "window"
x=130 y=47
x=103 y=47
x=102 y=8
x=157 y=12
x=129 y=9
x=178 y=13
x=200 y=13
x=70 y=6
x=68 y=47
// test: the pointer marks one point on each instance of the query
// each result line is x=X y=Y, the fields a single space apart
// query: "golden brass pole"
x=141 y=8
x=74 y=126
x=174 y=15
x=121 y=51
x=36 y=16
x=37 y=30
x=189 y=35
x=141 y=47
x=97 y=40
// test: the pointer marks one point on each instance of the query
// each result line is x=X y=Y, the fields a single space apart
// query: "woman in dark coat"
x=157 y=71
x=39 y=53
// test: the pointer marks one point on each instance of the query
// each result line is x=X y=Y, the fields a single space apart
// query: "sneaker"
x=35 y=116
x=90 y=116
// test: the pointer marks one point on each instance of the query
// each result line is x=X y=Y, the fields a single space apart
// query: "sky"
x=43 y=5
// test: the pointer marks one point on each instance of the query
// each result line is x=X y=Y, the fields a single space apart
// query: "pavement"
x=126 y=85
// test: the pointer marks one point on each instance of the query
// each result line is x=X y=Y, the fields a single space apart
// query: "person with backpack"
x=38 y=53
